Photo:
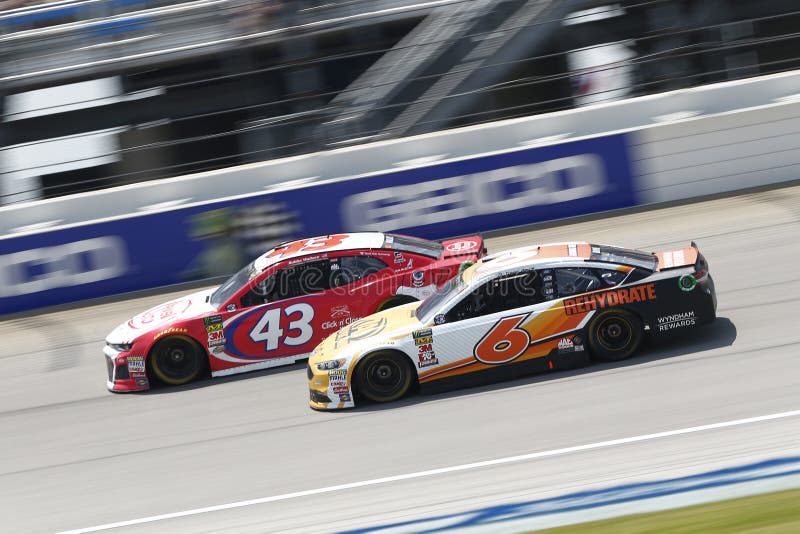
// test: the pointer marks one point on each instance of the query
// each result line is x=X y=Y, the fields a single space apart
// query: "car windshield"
x=405 y=243
x=637 y=258
x=431 y=305
x=232 y=285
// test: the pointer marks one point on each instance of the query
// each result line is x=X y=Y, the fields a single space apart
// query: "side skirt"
x=264 y=364
x=555 y=361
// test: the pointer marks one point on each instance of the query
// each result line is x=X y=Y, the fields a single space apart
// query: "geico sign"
x=496 y=191
x=70 y=264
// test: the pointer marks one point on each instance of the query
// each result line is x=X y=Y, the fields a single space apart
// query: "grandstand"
x=97 y=93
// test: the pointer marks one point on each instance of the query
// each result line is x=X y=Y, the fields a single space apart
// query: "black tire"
x=614 y=335
x=177 y=360
x=393 y=302
x=384 y=376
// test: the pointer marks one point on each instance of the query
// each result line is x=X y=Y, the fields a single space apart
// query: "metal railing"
x=317 y=114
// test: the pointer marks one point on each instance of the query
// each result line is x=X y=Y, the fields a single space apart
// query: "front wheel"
x=177 y=360
x=384 y=376
x=615 y=335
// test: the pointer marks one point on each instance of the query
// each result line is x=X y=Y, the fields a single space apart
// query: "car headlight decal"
x=330 y=364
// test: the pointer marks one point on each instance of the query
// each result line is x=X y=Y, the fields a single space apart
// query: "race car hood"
x=185 y=307
x=382 y=327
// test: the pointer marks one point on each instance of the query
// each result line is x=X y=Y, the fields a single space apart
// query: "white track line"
x=439 y=471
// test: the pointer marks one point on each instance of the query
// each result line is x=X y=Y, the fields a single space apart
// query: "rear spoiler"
x=700 y=265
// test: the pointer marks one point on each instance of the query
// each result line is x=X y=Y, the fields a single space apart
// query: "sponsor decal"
x=216 y=336
x=169 y=331
x=426 y=356
x=674 y=258
x=142 y=383
x=344 y=397
x=337 y=377
x=440 y=319
x=340 y=311
x=687 y=282
x=678 y=320
x=417 y=279
x=460 y=246
x=362 y=329
x=407 y=266
x=330 y=325
x=598 y=301
x=216 y=339
x=215 y=327
x=422 y=337
x=398 y=257
x=574 y=344
x=160 y=313
x=230 y=307
x=136 y=364
x=341 y=390
x=218 y=350
x=490 y=192
x=67 y=265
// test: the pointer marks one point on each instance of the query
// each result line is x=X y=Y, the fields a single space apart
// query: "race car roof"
x=317 y=245
x=531 y=255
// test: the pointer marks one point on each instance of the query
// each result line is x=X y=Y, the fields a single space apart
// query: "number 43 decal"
x=504 y=342
x=268 y=328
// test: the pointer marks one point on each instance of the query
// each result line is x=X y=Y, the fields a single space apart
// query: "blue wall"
x=456 y=198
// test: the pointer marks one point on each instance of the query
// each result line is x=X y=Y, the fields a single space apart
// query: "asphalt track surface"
x=73 y=456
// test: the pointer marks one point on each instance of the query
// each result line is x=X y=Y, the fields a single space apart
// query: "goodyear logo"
x=212 y=319
x=169 y=331
x=598 y=301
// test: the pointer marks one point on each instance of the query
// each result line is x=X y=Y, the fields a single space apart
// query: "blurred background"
x=99 y=93
x=102 y=93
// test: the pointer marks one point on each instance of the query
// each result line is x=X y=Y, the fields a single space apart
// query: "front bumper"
x=329 y=390
x=126 y=371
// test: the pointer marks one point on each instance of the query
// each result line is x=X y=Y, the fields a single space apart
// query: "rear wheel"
x=177 y=360
x=393 y=302
x=384 y=376
x=615 y=335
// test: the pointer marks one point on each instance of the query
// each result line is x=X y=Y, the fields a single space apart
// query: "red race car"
x=277 y=308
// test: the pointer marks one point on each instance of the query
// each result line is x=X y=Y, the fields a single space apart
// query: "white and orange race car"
x=277 y=308
x=527 y=310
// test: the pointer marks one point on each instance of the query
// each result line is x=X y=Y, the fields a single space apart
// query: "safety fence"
x=675 y=146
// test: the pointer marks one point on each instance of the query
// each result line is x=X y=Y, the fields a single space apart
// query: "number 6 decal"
x=504 y=342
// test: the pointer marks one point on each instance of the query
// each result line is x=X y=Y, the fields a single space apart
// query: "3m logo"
x=598 y=301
